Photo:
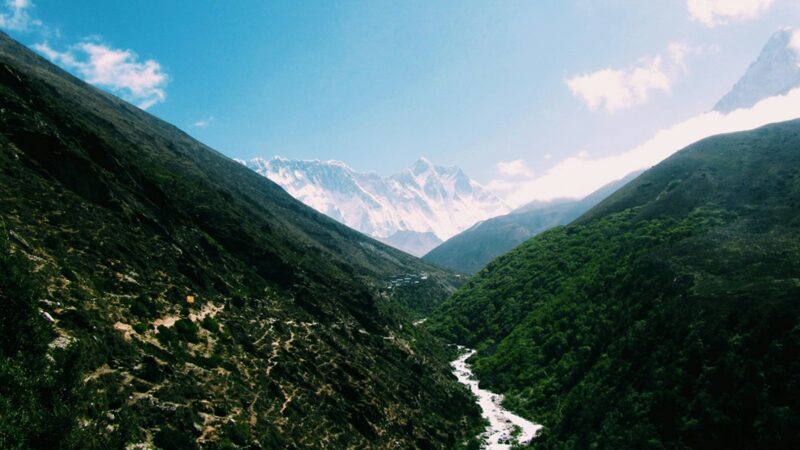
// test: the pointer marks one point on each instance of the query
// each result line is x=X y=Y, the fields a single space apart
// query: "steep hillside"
x=421 y=200
x=191 y=301
x=666 y=317
x=473 y=249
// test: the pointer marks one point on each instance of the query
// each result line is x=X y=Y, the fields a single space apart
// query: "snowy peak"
x=422 y=166
x=433 y=202
x=775 y=72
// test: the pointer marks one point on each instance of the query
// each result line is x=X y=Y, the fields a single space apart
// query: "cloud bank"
x=719 y=12
x=580 y=175
x=117 y=70
x=514 y=168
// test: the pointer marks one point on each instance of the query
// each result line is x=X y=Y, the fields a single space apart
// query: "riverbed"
x=505 y=428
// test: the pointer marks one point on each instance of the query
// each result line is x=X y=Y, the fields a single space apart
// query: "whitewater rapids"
x=500 y=433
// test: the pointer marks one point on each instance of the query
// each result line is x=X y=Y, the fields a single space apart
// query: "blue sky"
x=377 y=84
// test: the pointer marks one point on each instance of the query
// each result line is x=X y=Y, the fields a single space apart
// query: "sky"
x=532 y=98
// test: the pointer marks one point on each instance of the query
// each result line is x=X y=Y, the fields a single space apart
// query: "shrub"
x=169 y=438
x=210 y=324
x=144 y=307
x=35 y=394
x=186 y=330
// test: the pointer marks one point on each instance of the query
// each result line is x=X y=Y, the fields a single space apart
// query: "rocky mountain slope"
x=665 y=317
x=471 y=250
x=776 y=71
x=166 y=295
x=403 y=210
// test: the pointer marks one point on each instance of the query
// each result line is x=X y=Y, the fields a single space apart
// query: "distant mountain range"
x=776 y=71
x=424 y=205
x=413 y=210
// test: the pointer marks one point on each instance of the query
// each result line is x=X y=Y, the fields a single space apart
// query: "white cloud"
x=614 y=89
x=580 y=175
x=203 y=123
x=120 y=71
x=678 y=51
x=718 y=12
x=514 y=168
x=500 y=186
x=794 y=42
x=16 y=17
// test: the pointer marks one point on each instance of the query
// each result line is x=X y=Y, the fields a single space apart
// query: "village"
x=407 y=280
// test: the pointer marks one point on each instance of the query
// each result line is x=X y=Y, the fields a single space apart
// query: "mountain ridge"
x=198 y=303
x=472 y=249
x=775 y=71
x=666 y=315
x=423 y=198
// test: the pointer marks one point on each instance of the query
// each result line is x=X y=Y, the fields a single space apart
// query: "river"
x=505 y=428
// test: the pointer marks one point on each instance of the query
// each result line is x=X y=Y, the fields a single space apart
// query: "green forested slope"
x=666 y=317
x=472 y=249
x=292 y=341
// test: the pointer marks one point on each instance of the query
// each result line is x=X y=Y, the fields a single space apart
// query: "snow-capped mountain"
x=775 y=72
x=422 y=199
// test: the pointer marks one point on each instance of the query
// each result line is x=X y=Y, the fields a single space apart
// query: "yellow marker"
x=190 y=299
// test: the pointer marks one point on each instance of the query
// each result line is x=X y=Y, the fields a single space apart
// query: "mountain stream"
x=505 y=428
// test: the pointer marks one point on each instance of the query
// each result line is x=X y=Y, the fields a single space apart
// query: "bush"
x=237 y=432
x=23 y=327
x=166 y=335
x=144 y=307
x=210 y=324
x=35 y=395
x=169 y=438
x=186 y=330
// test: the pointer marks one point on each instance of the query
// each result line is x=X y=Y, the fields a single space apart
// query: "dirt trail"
x=209 y=309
